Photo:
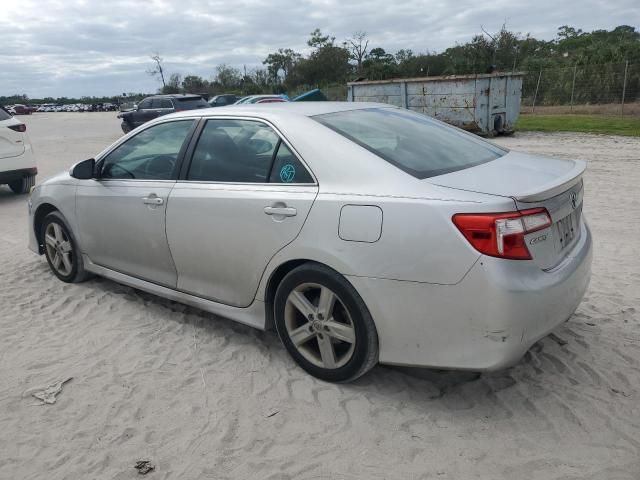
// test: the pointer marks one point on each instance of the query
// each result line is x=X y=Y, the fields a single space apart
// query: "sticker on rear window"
x=287 y=173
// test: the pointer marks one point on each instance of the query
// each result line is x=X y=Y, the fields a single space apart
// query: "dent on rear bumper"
x=486 y=322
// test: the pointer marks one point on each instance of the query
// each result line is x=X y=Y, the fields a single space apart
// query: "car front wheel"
x=23 y=185
x=324 y=324
x=61 y=250
x=126 y=127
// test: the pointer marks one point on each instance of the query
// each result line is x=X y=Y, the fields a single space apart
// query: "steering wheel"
x=160 y=167
x=109 y=168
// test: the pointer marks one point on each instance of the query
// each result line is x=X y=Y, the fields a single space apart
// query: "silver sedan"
x=363 y=233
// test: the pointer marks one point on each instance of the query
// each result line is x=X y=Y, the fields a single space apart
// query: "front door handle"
x=152 y=200
x=282 y=211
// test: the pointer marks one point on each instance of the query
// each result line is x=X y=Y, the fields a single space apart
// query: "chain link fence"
x=612 y=88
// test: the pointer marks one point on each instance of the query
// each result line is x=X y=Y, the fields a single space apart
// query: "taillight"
x=502 y=234
x=21 y=127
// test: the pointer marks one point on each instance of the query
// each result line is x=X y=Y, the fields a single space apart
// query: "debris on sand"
x=620 y=392
x=48 y=395
x=560 y=341
x=144 y=467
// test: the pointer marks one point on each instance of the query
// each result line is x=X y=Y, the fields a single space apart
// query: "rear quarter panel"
x=418 y=243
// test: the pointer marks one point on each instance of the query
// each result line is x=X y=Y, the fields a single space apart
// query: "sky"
x=102 y=47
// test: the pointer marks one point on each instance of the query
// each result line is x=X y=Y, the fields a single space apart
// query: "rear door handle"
x=152 y=200
x=282 y=211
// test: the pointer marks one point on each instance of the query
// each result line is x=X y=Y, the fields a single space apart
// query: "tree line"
x=330 y=62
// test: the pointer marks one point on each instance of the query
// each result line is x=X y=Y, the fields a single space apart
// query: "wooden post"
x=624 y=87
x=573 y=86
x=535 y=95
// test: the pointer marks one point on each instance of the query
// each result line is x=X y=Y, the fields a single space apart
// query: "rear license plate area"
x=567 y=230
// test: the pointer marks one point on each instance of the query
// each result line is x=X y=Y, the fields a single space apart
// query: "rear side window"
x=413 y=142
x=145 y=104
x=162 y=103
x=233 y=151
x=4 y=115
x=191 y=103
x=244 y=151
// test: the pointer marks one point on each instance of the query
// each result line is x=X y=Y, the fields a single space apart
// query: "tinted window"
x=287 y=168
x=162 y=103
x=150 y=155
x=413 y=142
x=145 y=104
x=191 y=103
x=4 y=115
x=233 y=151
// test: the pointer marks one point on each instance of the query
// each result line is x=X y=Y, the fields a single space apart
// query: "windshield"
x=415 y=143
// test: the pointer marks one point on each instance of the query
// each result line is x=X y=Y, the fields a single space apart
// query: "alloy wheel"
x=319 y=326
x=59 y=249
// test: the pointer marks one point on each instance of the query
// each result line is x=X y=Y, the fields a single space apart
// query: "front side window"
x=150 y=155
x=411 y=141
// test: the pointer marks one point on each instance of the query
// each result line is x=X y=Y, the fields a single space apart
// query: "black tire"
x=126 y=127
x=23 y=185
x=365 y=352
x=78 y=273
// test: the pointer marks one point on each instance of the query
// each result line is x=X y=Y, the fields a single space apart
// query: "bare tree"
x=158 y=69
x=358 y=47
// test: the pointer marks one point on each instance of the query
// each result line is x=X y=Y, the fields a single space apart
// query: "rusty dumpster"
x=486 y=104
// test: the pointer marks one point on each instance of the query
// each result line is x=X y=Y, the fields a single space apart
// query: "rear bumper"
x=13 y=175
x=485 y=322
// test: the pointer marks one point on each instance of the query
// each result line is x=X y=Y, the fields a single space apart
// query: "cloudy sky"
x=102 y=47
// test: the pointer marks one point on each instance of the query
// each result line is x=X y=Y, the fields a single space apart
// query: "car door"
x=121 y=213
x=144 y=113
x=243 y=197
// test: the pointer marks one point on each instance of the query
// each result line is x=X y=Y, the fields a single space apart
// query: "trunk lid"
x=532 y=181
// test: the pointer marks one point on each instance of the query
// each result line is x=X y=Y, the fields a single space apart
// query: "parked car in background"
x=17 y=162
x=157 y=106
x=222 y=100
x=20 y=109
x=271 y=100
x=364 y=232
x=261 y=99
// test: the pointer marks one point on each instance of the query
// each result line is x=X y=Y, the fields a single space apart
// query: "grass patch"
x=629 y=126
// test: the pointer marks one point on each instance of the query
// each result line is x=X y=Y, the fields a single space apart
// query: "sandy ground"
x=204 y=398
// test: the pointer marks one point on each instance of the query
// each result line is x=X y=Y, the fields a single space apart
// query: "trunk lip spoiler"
x=559 y=185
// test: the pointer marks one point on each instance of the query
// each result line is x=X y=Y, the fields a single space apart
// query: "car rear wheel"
x=23 y=185
x=61 y=249
x=324 y=324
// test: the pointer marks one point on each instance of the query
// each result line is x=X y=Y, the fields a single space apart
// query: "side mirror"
x=84 y=170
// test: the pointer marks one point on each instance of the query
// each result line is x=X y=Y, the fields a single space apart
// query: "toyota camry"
x=362 y=233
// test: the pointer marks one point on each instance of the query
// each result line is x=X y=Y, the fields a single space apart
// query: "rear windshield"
x=413 y=142
x=4 y=115
x=191 y=103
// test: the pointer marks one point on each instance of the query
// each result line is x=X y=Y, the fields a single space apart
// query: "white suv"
x=17 y=162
